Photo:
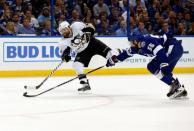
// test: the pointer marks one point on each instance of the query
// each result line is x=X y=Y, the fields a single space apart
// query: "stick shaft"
x=26 y=95
x=51 y=73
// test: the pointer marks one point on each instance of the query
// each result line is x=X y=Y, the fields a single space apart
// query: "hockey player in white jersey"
x=78 y=37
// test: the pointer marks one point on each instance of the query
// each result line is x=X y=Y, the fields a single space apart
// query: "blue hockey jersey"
x=149 y=46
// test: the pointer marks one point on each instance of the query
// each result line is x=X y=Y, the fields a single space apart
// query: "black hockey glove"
x=65 y=55
x=111 y=61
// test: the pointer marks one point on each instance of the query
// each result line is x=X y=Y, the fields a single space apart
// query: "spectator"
x=181 y=29
x=61 y=18
x=9 y=29
x=166 y=30
x=180 y=18
x=137 y=2
x=18 y=5
x=140 y=5
x=6 y=17
x=2 y=4
x=115 y=4
x=100 y=7
x=16 y=22
x=114 y=27
x=177 y=7
x=122 y=31
x=140 y=30
x=89 y=17
x=153 y=13
x=20 y=14
x=158 y=25
x=104 y=29
x=172 y=20
x=29 y=7
x=165 y=5
x=44 y=16
x=46 y=31
x=75 y=16
x=132 y=24
x=114 y=16
x=61 y=12
x=33 y=21
x=124 y=15
x=102 y=17
x=10 y=2
x=153 y=8
x=26 y=28
x=146 y=20
x=59 y=7
x=38 y=5
x=187 y=20
x=124 y=5
x=81 y=7
x=191 y=30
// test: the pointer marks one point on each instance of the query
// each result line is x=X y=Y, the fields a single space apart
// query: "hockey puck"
x=25 y=87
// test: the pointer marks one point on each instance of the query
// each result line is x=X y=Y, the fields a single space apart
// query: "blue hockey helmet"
x=135 y=39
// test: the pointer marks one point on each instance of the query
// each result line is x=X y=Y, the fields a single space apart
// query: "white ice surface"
x=117 y=103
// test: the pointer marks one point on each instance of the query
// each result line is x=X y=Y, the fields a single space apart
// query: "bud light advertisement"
x=31 y=51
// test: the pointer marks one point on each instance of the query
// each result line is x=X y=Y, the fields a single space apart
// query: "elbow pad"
x=89 y=29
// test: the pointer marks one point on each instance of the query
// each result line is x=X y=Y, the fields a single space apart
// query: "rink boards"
x=37 y=56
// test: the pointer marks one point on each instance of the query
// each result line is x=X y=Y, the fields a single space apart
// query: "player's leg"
x=101 y=49
x=154 y=67
x=82 y=60
x=175 y=52
x=177 y=89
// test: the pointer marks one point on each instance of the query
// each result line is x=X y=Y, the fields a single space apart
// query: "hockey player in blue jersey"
x=166 y=53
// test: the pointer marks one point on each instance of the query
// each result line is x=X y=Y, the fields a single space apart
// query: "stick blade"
x=25 y=94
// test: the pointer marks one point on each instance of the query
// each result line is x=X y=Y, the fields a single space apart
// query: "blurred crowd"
x=35 y=17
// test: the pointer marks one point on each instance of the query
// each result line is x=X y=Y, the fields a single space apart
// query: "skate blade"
x=181 y=98
x=179 y=95
x=88 y=92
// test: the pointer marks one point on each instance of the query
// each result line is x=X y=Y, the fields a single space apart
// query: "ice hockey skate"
x=177 y=90
x=85 y=89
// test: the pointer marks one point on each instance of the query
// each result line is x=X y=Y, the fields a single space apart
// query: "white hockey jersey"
x=76 y=42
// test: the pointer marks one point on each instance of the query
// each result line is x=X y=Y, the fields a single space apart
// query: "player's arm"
x=66 y=54
x=126 y=53
x=123 y=54
x=89 y=29
x=65 y=49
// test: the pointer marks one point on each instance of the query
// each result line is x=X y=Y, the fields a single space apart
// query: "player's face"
x=67 y=32
x=136 y=44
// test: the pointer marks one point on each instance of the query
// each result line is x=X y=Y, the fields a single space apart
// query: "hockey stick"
x=51 y=73
x=28 y=95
